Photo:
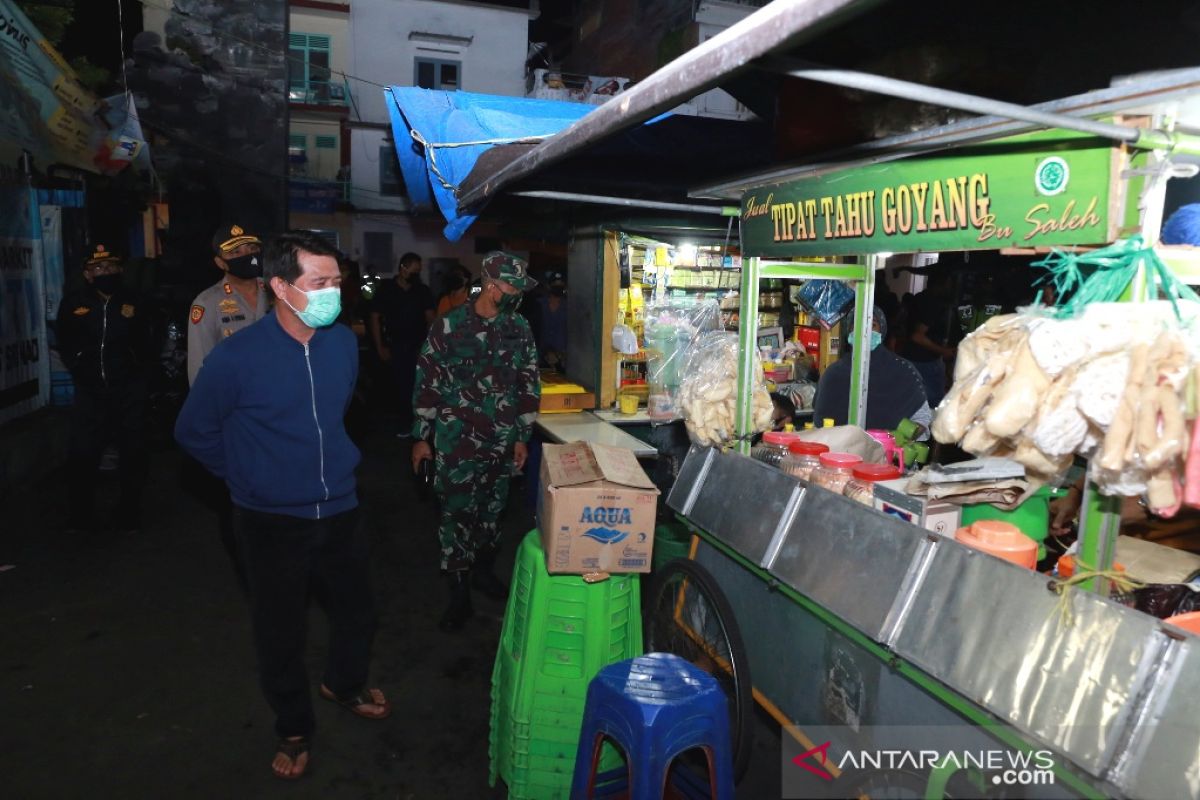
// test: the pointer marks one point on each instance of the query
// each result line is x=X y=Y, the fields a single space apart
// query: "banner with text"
x=24 y=362
x=1049 y=188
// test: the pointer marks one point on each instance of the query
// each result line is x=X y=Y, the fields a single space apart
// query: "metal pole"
x=860 y=351
x=775 y=26
x=689 y=208
x=965 y=102
x=747 y=350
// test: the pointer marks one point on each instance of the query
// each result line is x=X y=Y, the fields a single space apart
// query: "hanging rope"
x=1120 y=581
x=431 y=149
x=1102 y=276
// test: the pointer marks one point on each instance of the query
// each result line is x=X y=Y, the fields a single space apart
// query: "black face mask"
x=107 y=284
x=558 y=291
x=248 y=266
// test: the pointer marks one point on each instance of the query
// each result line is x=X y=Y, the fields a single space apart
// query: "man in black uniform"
x=106 y=339
x=401 y=313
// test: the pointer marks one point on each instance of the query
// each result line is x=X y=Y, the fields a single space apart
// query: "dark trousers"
x=404 y=366
x=286 y=557
x=101 y=415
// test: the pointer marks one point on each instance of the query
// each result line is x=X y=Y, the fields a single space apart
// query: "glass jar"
x=835 y=471
x=772 y=448
x=861 y=487
x=803 y=458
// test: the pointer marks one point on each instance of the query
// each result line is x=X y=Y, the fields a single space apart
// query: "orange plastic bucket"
x=1190 y=621
x=1002 y=540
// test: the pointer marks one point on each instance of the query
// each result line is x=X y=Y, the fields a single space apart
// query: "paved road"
x=126 y=668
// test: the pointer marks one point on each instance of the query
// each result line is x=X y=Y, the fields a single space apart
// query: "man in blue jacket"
x=265 y=415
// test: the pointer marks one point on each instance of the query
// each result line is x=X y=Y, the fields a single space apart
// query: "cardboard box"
x=938 y=516
x=566 y=402
x=596 y=510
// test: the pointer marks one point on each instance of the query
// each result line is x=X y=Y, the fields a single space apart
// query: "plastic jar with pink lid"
x=861 y=487
x=772 y=448
x=835 y=471
x=802 y=458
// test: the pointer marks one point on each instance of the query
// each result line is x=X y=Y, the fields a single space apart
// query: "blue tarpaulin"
x=441 y=135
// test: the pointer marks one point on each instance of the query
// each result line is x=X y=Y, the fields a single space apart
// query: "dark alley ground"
x=126 y=668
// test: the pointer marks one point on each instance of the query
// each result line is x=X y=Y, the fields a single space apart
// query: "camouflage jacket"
x=477 y=377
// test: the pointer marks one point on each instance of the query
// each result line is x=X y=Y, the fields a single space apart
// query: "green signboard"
x=1048 y=188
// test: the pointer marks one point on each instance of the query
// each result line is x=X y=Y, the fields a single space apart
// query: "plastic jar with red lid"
x=835 y=471
x=861 y=487
x=802 y=458
x=773 y=447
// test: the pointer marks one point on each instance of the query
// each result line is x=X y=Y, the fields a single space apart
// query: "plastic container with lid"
x=802 y=458
x=772 y=448
x=861 y=487
x=835 y=471
x=1002 y=540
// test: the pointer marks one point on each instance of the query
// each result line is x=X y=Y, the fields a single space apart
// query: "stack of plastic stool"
x=558 y=632
x=655 y=707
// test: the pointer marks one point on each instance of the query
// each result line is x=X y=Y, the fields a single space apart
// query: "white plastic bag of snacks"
x=708 y=391
x=1107 y=385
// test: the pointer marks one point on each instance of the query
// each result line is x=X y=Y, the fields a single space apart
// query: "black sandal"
x=293 y=749
x=362 y=697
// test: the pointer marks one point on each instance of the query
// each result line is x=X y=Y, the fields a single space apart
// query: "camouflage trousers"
x=472 y=493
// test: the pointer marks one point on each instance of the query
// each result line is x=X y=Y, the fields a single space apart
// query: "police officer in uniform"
x=106 y=338
x=477 y=390
x=235 y=302
x=232 y=303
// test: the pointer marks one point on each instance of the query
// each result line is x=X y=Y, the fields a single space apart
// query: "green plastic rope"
x=1102 y=276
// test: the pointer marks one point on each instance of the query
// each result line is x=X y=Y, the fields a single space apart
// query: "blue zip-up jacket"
x=265 y=414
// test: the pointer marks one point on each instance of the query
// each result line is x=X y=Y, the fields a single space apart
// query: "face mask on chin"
x=323 y=306
x=107 y=283
x=245 y=267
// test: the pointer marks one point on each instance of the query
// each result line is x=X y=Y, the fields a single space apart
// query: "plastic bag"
x=828 y=299
x=1107 y=385
x=708 y=391
x=670 y=328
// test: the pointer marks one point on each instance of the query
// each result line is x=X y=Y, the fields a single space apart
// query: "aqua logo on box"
x=606 y=518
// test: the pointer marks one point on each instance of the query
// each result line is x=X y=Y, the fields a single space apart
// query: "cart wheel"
x=687 y=614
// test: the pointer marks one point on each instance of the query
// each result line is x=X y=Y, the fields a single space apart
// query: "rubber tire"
x=741 y=727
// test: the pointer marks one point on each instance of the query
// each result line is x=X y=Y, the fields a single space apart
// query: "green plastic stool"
x=558 y=633
x=671 y=541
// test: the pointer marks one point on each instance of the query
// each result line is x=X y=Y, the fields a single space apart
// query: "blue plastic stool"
x=654 y=707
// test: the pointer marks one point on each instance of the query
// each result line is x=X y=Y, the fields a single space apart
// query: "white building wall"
x=490 y=43
x=365 y=146
x=421 y=235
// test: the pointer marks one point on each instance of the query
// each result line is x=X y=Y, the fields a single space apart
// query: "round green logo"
x=1052 y=176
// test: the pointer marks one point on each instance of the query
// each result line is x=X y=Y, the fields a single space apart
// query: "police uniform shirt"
x=217 y=312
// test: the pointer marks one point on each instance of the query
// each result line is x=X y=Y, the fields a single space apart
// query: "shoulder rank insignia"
x=197 y=314
x=127 y=311
x=228 y=289
x=79 y=312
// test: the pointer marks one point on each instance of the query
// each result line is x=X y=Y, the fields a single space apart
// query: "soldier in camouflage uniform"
x=476 y=396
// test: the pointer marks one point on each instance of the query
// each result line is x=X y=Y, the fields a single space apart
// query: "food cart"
x=834 y=615
x=853 y=619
